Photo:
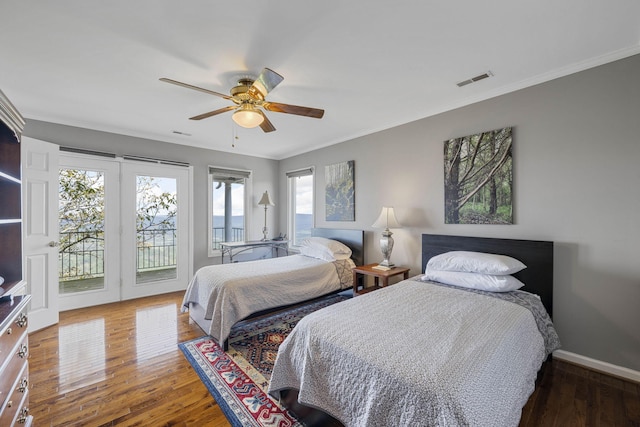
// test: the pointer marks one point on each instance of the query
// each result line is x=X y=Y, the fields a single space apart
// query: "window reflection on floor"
x=156 y=331
x=81 y=352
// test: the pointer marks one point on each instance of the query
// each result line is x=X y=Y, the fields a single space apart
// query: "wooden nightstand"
x=368 y=270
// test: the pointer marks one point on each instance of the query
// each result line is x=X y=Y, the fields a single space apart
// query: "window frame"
x=218 y=171
x=291 y=201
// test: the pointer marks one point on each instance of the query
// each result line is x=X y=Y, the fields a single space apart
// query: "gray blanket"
x=416 y=353
x=231 y=292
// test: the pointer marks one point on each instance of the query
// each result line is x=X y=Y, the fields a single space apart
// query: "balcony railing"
x=83 y=256
x=156 y=249
x=237 y=235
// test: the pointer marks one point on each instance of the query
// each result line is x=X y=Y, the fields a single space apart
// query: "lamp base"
x=386 y=246
x=264 y=235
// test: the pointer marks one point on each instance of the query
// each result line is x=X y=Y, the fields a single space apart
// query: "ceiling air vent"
x=475 y=79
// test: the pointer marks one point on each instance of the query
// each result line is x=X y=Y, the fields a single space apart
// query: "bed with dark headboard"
x=218 y=296
x=354 y=239
x=535 y=254
x=537 y=277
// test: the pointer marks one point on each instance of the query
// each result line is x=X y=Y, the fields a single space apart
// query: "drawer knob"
x=9 y=331
x=24 y=414
x=22 y=320
x=10 y=404
x=23 y=351
x=23 y=385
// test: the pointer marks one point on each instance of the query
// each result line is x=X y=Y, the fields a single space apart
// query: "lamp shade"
x=266 y=200
x=247 y=117
x=387 y=219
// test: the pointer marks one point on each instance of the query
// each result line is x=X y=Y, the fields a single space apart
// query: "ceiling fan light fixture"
x=247 y=116
x=250 y=105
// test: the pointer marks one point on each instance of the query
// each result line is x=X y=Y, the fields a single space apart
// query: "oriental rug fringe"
x=238 y=379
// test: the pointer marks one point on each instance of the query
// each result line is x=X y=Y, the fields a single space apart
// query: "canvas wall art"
x=340 y=194
x=478 y=178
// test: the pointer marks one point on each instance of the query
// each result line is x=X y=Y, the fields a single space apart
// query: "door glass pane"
x=81 y=214
x=156 y=233
x=228 y=210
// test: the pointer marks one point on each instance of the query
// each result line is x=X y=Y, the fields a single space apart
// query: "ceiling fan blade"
x=266 y=125
x=188 y=86
x=213 y=113
x=266 y=81
x=293 y=109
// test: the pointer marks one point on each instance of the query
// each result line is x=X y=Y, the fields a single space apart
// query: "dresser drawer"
x=12 y=333
x=16 y=407
x=16 y=360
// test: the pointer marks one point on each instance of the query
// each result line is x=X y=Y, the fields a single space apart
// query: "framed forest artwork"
x=340 y=194
x=478 y=178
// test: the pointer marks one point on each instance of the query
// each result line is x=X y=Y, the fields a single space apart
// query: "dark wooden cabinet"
x=14 y=345
x=11 y=126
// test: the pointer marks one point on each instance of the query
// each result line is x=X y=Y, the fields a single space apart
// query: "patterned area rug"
x=239 y=379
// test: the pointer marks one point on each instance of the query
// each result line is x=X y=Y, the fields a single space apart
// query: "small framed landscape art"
x=340 y=194
x=478 y=178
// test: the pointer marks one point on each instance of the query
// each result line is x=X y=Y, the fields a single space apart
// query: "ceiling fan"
x=249 y=98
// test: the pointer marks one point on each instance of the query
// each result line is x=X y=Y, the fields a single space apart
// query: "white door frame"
x=41 y=163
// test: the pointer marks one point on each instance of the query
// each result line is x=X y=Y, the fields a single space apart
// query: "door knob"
x=53 y=244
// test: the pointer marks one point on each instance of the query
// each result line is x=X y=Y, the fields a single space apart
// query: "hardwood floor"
x=569 y=395
x=119 y=364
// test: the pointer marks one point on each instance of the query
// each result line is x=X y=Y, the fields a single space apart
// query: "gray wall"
x=576 y=182
x=264 y=176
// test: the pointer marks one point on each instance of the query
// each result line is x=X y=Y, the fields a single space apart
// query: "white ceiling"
x=370 y=65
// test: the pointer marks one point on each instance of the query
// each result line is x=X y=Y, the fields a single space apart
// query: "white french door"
x=155 y=228
x=89 y=214
x=124 y=229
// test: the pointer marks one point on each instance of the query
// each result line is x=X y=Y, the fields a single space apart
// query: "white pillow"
x=332 y=246
x=483 y=282
x=475 y=262
x=322 y=253
x=340 y=257
x=316 y=253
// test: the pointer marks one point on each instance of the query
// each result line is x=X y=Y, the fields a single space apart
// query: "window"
x=300 y=218
x=228 y=192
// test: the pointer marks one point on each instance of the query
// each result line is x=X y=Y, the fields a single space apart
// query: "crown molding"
x=10 y=116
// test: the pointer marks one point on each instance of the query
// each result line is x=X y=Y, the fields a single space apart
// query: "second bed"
x=219 y=296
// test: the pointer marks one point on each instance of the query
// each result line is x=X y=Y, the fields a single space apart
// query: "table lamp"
x=386 y=220
x=266 y=201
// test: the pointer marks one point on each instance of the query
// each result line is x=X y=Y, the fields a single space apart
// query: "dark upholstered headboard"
x=535 y=254
x=354 y=239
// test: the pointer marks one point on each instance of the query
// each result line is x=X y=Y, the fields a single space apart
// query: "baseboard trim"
x=598 y=365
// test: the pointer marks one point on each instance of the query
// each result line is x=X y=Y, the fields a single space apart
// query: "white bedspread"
x=231 y=292
x=414 y=354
